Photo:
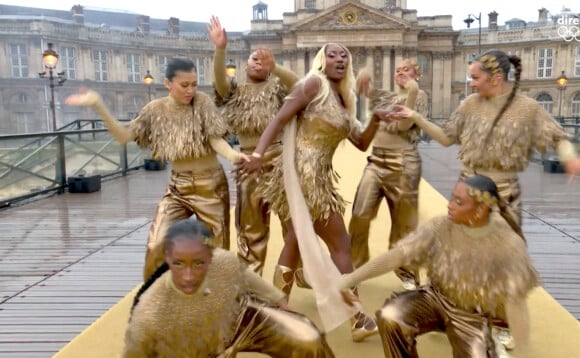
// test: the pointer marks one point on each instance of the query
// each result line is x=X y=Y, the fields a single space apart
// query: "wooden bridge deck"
x=66 y=259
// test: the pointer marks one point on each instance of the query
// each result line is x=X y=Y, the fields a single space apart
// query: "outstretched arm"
x=412 y=89
x=410 y=116
x=381 y=264
x=89 y=98
x=222 y=148
x=219 y=37
x=363 y=138
x=263 y=289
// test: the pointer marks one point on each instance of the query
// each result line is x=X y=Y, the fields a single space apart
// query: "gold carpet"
x=555 y=332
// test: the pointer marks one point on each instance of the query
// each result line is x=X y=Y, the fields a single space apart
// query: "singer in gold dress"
x=478 y=268
x=185 y=128
x=322 y=107
x=248 y=108
x=393 y=170
x=204 y=302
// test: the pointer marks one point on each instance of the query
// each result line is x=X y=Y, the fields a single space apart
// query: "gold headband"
x=482 y=196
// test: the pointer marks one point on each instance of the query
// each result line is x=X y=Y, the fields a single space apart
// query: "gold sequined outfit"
x=523 y=127
x=473 y=272
x=393 y=172
x=178 y=132
x=248 y=110
x=222 y=318
x=321 y=127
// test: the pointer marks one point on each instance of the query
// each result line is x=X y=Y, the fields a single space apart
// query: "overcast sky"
x=236 y=14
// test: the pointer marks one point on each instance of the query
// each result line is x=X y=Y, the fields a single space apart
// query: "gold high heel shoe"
x=300 y=279
x=362 y=327
x=284 y=279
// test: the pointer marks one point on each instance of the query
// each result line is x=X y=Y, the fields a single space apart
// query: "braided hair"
x=486 y=185
x=495 y=62
x=187 y=229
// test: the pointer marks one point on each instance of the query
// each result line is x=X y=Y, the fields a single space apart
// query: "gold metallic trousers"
x=203 y=193
x=509 y=190
x=252 y=214
x=393 y=175
x=277 y=333
x=410 y=314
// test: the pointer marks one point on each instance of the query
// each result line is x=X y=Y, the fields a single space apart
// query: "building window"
x=545 y=63
x=423 y=62
x=67 y=61
x=134 y=68
x=576 y=105
x=310 y=4
x=545 y=100
x=389 y=4
x=163 y=61
x=511 y=74
x=19 y=60
x=577 y=62
x=100 y=59
x=200 y=66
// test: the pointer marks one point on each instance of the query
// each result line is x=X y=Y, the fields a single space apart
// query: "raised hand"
x=85 y=97
x=216 y=33
x=266 y=57
x=364 y=82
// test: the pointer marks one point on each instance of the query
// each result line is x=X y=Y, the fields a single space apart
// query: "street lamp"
x=49 y=60
x=562 y=82
x=148 y=79
x=469 y=21
x=231 y=68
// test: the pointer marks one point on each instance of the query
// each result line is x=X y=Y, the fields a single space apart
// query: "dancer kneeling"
x=202 y=302
x=478 y=267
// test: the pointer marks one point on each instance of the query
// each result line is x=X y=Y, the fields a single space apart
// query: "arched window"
x=546 y=101
x=576 y=105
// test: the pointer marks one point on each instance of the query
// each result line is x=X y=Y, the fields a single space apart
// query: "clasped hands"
x=252 y=164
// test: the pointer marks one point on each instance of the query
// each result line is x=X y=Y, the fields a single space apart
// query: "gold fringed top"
x=523 y=127
x=175 y=131
x=478 y=269
x=382 y=99
x=168 y=323
x=250 y=107
x=321 y=127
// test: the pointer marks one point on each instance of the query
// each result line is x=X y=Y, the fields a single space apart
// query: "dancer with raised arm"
x=185 y=128
x=248 y=108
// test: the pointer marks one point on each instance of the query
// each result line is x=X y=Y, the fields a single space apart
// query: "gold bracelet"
x=257 y=155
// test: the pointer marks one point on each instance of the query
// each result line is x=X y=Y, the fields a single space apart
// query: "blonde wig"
x=346 y=85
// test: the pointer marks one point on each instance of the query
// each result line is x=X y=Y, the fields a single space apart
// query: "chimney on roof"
x=543 y=16
x=143 y=24
x=173 y=26
x=78 y=14
x=492 y=26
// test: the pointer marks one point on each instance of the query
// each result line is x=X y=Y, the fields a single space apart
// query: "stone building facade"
x=112 y=51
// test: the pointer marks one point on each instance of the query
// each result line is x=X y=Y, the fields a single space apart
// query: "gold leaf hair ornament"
x=482 y=197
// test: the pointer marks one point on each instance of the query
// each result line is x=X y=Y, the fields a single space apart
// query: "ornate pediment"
x=350 y=15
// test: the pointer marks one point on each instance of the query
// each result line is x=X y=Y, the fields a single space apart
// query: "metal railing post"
x=123 y=159
x=60 y=165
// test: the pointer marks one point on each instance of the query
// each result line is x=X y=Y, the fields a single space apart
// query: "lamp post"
x=562 y=82
x=49 y=60
x=231 y=68
x=148 y=79
x=469 y=21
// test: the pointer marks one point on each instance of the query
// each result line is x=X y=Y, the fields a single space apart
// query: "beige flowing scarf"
x=319 y=269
